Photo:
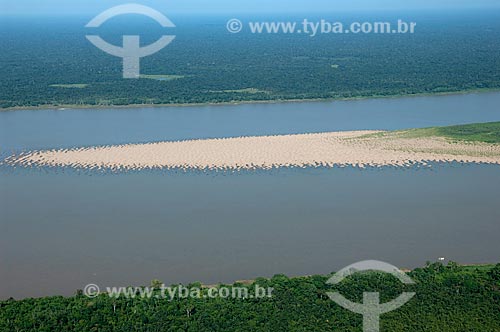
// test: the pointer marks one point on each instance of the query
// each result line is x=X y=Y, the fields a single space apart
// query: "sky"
x=64 y=7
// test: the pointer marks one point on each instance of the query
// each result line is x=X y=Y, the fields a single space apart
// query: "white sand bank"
x=264 y=152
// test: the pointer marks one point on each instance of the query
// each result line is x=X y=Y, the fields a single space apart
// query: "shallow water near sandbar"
x=63 y=229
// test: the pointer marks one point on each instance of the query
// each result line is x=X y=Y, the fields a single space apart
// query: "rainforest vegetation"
x=448 y=298
x=49 y=62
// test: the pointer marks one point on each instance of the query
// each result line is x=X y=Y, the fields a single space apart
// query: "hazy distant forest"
x=49 y=62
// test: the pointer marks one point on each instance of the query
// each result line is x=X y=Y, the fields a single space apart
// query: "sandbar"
x=350 y=148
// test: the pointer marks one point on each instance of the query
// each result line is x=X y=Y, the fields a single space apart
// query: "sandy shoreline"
x=352 y=148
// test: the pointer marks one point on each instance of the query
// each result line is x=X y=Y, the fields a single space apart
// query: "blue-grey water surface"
x=61 y=230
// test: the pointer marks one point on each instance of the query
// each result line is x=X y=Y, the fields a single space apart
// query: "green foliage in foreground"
x=449 y=298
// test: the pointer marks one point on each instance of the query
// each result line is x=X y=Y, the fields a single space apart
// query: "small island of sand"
x=351 y=148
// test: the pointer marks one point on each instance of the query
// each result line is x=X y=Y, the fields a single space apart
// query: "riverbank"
x=447 y=299
x=64 y=107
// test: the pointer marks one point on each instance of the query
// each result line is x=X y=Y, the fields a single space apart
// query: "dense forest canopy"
x=448 y=298
x=49 y=61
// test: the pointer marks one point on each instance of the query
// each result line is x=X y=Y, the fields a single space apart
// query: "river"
x=61 y=230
